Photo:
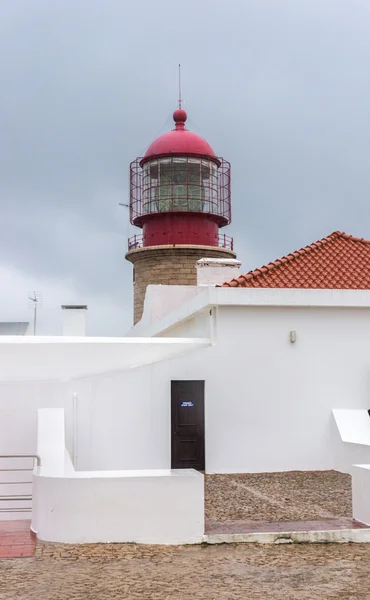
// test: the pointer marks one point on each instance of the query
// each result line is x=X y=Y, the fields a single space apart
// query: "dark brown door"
x=187 y=421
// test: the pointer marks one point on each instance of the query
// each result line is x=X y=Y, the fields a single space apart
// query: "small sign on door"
x=186 y=404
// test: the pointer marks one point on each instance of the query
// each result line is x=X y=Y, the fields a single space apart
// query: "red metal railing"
x=136 y=241
x=204 y=188
x=224 y=241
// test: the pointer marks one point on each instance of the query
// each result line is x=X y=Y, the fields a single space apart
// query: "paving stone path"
x=290 y=496
x=232 y=572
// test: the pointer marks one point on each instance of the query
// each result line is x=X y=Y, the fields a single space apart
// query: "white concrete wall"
x=353 y=425
x=19 y=403
x=142 y=506
x=120 y=420
x=51 y=447
x=216 y=271
x=283 y=393
x=352 y=445
x=269 y=402
x=199 y=325
x=361 y=493
x=123 y=420
x=161 y=300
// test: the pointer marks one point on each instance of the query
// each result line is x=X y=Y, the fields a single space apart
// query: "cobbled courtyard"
x=243 y=571
x=211 y=572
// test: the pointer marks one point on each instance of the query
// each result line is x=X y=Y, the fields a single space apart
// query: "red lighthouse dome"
x=179 y=141
x=180 y=198
x=180 y=190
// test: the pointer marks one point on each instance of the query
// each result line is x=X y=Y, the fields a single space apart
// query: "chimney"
x=74 y=319
x=216 y=271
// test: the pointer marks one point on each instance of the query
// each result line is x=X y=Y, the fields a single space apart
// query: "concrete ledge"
x=360 y=492
x=142 y=509
x=339 y=536
x=156 y=506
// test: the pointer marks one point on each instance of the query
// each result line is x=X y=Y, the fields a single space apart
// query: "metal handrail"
x=34 y=456
x=223 y=241
x=15 y=510
x=14 y=482
x=17 y=497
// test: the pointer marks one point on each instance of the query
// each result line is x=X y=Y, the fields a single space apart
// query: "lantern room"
x=180 y=190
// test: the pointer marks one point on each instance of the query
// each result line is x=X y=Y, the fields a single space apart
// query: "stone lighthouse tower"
x=180 y=198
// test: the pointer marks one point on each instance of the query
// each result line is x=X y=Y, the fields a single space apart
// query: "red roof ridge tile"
x=355 y=239
x=289 y=258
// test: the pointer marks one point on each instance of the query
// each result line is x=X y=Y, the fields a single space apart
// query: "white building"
x=269 y=372
x=14 y=328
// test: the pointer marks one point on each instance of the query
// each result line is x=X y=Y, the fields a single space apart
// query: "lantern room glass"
x=179 y=184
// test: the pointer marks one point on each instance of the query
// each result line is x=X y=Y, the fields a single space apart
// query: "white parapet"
x=50 y=439
x=148 y=507
x=361 y=493
x=353 y=425
x=78 y=507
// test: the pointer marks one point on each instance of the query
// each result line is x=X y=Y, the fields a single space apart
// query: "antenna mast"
x=180 y=98
x=35 y=300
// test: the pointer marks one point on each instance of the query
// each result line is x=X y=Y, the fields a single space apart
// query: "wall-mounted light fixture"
x=293 y=336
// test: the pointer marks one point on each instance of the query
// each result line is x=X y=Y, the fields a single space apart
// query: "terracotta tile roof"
x=339 y=261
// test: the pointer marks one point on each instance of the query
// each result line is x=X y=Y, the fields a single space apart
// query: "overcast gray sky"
x=281 y=88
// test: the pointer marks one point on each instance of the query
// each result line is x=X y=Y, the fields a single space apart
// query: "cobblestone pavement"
x=291 y=496
x=232 y=572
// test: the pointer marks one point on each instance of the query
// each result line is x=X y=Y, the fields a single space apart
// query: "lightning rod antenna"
x=35 y=300
x=180 y=98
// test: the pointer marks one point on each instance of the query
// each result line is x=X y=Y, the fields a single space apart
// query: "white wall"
x=51 y=447
x=147 y=507
x=142 y=506
x=18 y=413
x=123 y=420
x=361 y=493
x=352 y=444
x=353 y=425
x=215 y=271
x=19 y=403
x=198 y=325
x=268 y=402
x=283 y=393
x=161 y=300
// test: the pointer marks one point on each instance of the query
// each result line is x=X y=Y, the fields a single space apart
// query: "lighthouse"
x=180 y=199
